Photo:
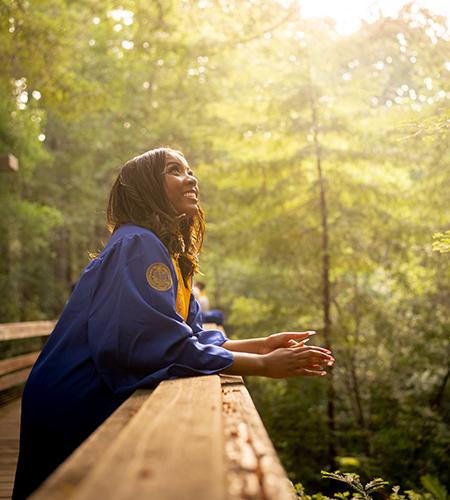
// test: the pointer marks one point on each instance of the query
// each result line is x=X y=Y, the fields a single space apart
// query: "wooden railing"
x=197 y=438
x=14 y=371
x=26 y=329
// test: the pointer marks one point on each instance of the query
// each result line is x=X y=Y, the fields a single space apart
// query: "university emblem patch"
x=159 y=277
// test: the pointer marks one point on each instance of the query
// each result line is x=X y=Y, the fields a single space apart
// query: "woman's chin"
x=191 y=211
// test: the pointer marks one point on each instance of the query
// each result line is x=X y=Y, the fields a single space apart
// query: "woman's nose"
x=191 y=179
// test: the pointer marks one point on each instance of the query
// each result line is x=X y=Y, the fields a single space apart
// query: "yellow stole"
x=183 y=293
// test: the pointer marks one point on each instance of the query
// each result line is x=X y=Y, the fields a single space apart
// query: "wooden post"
x=9 y=163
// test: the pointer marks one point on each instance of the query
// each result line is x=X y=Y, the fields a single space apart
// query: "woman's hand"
x=284 y=339
x=299 y=360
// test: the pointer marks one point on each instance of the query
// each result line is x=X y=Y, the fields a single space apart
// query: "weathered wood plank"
x=14 y=378
x=9 y=445
x=18 y=362
x=253 y=468
x=27 y=329
x=63 y=483
x=171 y=450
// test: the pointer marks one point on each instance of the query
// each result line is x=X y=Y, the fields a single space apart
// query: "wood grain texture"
x=26 y=329
x=254 y=471
x=15 y=378
x=9 y=446
x=18 y=362
x=171 y=450
x=63 y=483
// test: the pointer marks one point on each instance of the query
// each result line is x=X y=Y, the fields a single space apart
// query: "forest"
x=324 y=168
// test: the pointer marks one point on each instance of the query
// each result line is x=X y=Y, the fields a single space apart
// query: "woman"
x=131 y=321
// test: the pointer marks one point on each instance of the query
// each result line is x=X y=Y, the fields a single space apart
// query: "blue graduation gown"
x=118 y=332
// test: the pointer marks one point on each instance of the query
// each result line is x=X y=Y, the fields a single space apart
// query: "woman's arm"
x=282 y=363
x=254 y=346
x=264 y=345
x=246 y=363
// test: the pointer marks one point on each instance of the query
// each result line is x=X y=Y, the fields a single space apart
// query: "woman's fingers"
x=315 y=367
x=314 y=347
x=295 y=343
x=311 y=350
x=299 y=360
x=299 y=335
x=314 y=359
x=306 y=372
x=313 y=354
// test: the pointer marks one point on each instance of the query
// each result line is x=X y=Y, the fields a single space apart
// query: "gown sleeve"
x=195 y=321
x=135 y=335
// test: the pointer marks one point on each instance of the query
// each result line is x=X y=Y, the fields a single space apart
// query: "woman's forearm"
x=253 y=346
x=246 y=364
x=282 y=363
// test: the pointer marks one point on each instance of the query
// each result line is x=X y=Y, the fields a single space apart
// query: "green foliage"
x=253 y=94
x=353 y=480
x=432 y=484
x=357 y=490
x=441 y=242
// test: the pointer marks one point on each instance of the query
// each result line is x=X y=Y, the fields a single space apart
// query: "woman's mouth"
x=190 y=194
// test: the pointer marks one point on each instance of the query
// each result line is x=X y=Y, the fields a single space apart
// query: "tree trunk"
x=436 y=401
x=353 y=354
x=326 y=301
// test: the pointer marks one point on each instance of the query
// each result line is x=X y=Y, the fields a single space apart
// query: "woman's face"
x=181 y=185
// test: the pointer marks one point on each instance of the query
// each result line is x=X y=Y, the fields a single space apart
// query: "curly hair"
x=138 y=196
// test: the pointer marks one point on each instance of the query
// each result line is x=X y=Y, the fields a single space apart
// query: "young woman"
x=132 y=322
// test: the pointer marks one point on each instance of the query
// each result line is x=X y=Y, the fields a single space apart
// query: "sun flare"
x=348 y=13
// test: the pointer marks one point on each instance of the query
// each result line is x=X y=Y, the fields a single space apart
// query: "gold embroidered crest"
x=159 y=277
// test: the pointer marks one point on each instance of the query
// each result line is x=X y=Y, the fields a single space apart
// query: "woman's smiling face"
x=181 y=185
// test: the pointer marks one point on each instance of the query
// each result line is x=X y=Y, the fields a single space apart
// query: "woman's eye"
x=173 y=169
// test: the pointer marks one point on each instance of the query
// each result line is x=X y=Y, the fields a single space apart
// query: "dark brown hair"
x=138 y=196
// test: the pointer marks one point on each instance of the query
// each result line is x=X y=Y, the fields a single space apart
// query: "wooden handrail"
x=14 y=371
x=25 y=330
x=197 y=438
x=17 y=362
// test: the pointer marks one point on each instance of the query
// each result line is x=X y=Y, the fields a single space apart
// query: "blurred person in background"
x=208 y=315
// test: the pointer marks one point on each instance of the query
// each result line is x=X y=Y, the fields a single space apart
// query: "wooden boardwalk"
x=9 y=446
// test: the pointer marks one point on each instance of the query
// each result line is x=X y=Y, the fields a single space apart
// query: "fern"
x=359 y=491
x=353 y=480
